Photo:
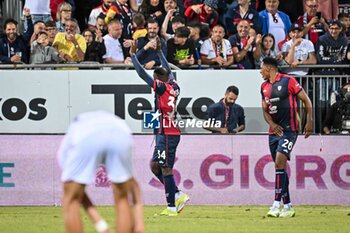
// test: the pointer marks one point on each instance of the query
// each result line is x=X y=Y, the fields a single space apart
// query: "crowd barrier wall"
x=212 y=169
x=46 y=101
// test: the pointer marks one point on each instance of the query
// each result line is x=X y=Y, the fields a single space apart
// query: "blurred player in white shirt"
x=95 y=138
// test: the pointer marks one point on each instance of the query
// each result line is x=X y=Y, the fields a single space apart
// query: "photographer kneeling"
x=338 y=117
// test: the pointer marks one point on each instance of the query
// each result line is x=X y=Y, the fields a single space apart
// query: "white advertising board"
x=56 y=97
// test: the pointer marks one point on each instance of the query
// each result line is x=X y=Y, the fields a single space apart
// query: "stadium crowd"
x=224 y=34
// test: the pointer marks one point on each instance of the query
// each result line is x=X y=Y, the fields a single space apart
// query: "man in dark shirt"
x=230 y=114
x=148 y=57
x=181 y=49
x=13 y=47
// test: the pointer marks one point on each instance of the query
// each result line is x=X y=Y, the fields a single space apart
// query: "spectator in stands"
x=138 y=23
x=103 y=8
x=41 y=51
x=51 y=30
x=121 y=11
x=204 y=13
x=217 y=50
x=180 y=48
x=64 y=13
x=229 y=114
x=14 y=47
x=171 y=11
x=116 y=53
x=40 y=10
x=195 y=31
x=246 y=49
x=95 y=49
x=241 y=11
x=152 y=9
x=298 y=51
x=313 y=22
x=176 y=22
x=292 y=8
x=274 y=21
x=338 y=117
x=149 y=58
x=268 y=50
x=100 y=27
x=70 y=45
x=39 y=26
x=345 y=19
x=332 y=47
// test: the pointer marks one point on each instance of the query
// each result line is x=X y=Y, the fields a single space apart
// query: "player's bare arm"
x=308 y=107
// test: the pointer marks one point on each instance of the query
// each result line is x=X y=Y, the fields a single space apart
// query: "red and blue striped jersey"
x=281 y=100
x=165 y=102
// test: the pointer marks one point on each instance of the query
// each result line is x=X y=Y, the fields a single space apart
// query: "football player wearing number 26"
x=279 y=102
x=167 y=135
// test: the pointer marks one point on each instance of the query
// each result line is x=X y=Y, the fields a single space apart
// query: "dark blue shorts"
x=283 y=144
x=165 y=149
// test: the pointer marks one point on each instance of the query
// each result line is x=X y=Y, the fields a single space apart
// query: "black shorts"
x=283 y=144
x=165 y=149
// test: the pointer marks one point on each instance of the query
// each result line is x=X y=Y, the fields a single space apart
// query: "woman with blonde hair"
x=64 y=13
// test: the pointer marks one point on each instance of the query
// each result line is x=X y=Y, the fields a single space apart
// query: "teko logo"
x=14 y=109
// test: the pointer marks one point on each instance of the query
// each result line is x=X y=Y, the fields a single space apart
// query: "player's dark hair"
x=182 y=32
x=10 y=21
x=232 y=89
x=270 y=61
x=162 y=73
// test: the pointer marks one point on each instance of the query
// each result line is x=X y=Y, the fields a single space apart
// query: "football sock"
x=160 y=178
x=285 y=190
x=279 y=183
x=170 y=188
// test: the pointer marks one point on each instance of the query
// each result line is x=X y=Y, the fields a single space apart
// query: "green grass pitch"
x=193 y=219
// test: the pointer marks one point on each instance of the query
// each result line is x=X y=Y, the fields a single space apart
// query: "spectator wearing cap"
x=204 y=13
x=242 y=11
x=181 y=49
x=331 y=47
x=274 y=21
x=313 y=21
x=298 y=51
